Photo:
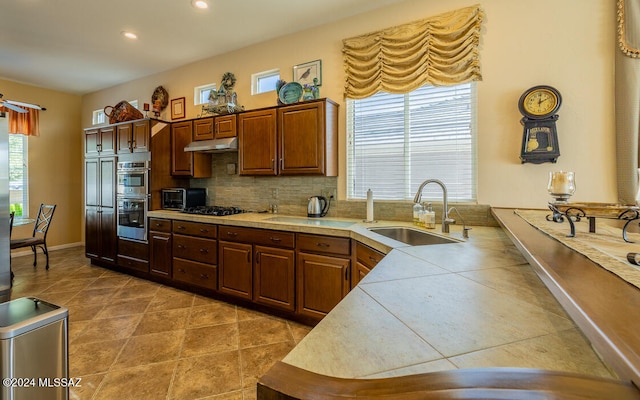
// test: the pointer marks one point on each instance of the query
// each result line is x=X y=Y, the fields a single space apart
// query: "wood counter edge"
x=599 y=302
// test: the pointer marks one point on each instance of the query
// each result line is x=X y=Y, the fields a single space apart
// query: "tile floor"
x=134 y=339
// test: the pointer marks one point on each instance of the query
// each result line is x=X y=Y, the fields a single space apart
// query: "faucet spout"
x=445 y=208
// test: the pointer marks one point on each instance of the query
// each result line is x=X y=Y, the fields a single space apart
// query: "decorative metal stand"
x=576 y=211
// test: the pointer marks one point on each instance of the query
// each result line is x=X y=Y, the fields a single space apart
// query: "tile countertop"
x=436 y=307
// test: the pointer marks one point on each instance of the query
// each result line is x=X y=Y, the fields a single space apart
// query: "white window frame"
x=260 y=76
x=198 y=92
x=384 y=149
x=24 y=203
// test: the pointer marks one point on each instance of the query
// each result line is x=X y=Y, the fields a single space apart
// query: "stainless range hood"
x=213 y=145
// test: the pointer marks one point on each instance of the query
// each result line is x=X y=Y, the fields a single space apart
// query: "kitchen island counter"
x=430 y=308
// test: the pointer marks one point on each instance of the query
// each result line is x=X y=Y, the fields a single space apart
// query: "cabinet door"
x=108 y=182
x=235 y=269
x=257 y=151
x=141 y=136
x=366 y=259
x=108 y=234
x=203 y=129
x=92 y=182
x=322 y=281
x=225 y=126
x=92 y=142
x=160 y=253
x=274 y=277
x=124 y=138
x=107 y=140
x=302 y=139
x=92 y=232
x=181 y=161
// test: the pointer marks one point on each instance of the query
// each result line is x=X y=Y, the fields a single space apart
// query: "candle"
x=146 y=106
x=369 y=205
x=561 y=183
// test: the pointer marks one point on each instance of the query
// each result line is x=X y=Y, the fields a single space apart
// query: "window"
x=395 y=142
x=18 y=175
x=265 y=81
x=201 y=93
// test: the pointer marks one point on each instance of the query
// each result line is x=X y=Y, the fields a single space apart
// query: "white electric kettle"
x=318 y=207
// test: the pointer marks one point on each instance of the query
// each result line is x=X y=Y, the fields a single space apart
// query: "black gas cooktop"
x=217 y=211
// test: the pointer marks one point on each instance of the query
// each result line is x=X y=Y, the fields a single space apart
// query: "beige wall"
x=55 y=162
x=568 y=44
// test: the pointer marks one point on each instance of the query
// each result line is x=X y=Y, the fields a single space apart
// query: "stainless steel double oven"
x=133 y=196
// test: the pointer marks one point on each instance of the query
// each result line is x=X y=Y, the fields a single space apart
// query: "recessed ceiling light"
x=129 y=35
x=202 y=4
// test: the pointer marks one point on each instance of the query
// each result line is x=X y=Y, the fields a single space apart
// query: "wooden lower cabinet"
x=133 y=255
x=236 y=271
x=160 y=244
x=194 y=251
x=274 y=277
x=365 y=259
x=322 y=282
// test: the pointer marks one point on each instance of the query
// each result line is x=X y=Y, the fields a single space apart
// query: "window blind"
x=396 y=141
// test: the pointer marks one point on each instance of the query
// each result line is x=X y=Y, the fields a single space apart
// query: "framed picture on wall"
x=305 y=73
x=177 y=108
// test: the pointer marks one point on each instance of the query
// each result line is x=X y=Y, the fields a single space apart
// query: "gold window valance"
x=442 y=50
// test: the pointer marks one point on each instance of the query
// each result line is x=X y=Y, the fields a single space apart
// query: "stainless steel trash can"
x=34 y=356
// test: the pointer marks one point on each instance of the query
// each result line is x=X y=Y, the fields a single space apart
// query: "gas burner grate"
x=217 y=211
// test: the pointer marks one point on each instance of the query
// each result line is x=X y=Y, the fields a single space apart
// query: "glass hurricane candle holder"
x=561 y=185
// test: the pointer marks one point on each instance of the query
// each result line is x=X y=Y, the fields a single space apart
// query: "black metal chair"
x=39 y=237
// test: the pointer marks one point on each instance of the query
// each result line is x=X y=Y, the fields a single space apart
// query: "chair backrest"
x=11 y=215
x=43 y=221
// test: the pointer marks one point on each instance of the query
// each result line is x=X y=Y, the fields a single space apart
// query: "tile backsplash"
x=291 y=193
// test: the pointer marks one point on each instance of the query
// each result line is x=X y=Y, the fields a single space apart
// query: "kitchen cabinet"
x=323 y=273
x=299 y=139
x=258 y=265
x=187 y=163
x=257 y=142
x=100 y=209
x=195 y=254
x=366 y=259
x=133 y=137
x=100 y=141
x=160 y=246
x=223 y=126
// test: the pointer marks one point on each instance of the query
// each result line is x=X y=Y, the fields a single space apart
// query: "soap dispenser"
x=418 y=210
x=429 y=217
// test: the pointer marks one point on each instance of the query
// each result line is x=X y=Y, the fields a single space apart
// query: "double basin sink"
x=410 y=236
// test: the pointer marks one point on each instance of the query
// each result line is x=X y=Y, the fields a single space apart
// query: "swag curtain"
x=442 y=50
x=627 y=99
x=26 y=123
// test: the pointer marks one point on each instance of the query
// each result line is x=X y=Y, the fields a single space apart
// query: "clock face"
x=539 y=102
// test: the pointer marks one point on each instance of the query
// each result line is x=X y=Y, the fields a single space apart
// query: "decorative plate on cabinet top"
x=290 y=93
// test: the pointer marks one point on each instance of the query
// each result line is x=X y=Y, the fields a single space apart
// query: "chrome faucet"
x=465 y=230
x=446 y=221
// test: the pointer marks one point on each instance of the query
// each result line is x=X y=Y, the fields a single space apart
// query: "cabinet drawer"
x=133 y=263
x=324 y=244
x=133 y=249
x=264 y=237
x=195 y=273
x=159 y=225
x=368 y=256
x=196 y=249
x=195 y=229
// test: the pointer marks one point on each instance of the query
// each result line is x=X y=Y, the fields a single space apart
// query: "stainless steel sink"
x=413 y=237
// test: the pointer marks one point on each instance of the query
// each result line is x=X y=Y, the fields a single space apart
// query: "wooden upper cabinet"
x=141 y=136
x=302 y=139
x=184 y=163
x=257 y=142
x=305 y=139
x=100 y=141
x=225 y=126
x=203 y=129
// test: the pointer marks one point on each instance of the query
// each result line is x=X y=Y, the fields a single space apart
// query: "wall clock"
x=539 y=105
